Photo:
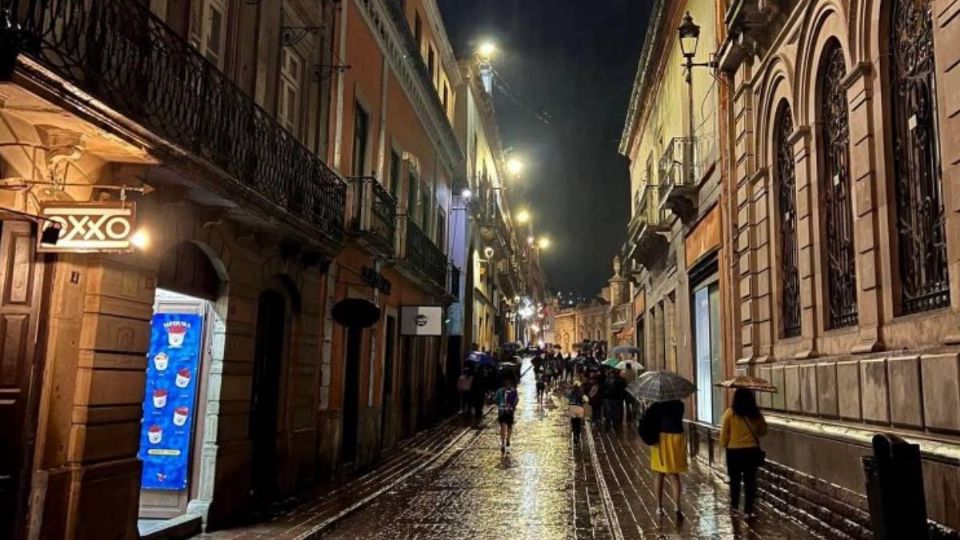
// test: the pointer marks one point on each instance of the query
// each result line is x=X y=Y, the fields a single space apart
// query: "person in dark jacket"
x=613 y=390
x=576 y=399
x=668 y=457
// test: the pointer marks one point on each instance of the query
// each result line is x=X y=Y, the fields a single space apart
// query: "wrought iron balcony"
x=373 y=213
x=120 y=54
x=647 y=241
x=679 y=177
x=421 y=255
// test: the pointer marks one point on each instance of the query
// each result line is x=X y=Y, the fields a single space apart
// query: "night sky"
x=569 y=66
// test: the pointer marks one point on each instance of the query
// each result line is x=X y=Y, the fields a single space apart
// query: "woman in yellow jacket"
x=743 y=425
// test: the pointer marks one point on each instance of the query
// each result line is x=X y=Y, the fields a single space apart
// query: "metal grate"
x=920 y=216
x=787 y=206
x=121 y=54
x=835 y=185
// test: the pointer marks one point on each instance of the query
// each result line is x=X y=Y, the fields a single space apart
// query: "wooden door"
x=21 y=293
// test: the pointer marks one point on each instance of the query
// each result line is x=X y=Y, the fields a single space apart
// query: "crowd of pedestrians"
x=598 y=389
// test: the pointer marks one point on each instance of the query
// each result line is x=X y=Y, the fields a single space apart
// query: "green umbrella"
x=611 y=362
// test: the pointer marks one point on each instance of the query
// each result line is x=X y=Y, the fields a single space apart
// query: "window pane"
x=701 y=307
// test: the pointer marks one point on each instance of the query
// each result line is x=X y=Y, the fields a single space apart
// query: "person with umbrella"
x=743 y=425
x=664 y=419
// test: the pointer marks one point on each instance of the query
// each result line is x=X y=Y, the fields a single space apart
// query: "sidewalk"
x=323 y=507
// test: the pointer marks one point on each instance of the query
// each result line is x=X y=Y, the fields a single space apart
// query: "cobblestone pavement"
x=451 y=482
x=548 y=488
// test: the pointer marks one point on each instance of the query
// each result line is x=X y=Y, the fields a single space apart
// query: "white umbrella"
x=634 y=365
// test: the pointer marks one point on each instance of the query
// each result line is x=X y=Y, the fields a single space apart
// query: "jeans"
x=597 y=412
x=742 y=467
x=613 y=412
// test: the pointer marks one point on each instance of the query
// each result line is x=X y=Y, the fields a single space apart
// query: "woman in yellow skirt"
x=669 y=455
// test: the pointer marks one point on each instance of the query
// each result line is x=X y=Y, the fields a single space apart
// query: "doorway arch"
x=277 y=307
x=191 y=280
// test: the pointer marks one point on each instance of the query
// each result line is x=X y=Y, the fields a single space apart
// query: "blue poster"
x=170 y=397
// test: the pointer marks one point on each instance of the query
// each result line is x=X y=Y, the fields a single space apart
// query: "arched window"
x=786 y=194
x=921 y=238
x=837 y=215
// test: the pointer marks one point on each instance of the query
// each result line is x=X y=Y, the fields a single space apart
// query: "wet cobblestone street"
x=547 y=488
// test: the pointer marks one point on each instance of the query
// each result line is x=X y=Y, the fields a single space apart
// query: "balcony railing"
x=374 y=211
x=128 y=59
x=679 y=176
x=678 y=165
x=647 y=240
x=421 y=253
x=648 y=213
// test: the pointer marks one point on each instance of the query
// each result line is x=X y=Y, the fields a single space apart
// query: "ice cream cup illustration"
x=159 y=398
x=160 y=361
x=176 y=332
x=155 y=434
x=180 y=416
x=183 y=378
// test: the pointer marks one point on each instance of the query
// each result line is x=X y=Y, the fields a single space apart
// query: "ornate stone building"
x=818 y=246
x=845 y=237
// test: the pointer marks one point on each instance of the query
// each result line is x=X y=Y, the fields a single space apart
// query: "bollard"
x=895 y=493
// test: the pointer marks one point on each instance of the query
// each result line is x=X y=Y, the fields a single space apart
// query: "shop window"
x=786 y=194
x=707 y=353
x=921 y=239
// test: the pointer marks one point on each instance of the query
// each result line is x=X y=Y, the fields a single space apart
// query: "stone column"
x=946 y=35
x=743 y=170
x=806 y=240
x=865 y=185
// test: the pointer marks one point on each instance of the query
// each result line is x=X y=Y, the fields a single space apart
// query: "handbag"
x=761 y=454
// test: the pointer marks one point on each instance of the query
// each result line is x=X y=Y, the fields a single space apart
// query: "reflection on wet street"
x=548 y=488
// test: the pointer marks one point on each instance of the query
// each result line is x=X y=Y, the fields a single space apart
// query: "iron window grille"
x=787 y=205
x=835 y=191
x=921 y=237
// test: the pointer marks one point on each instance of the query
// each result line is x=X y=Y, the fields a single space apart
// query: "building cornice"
x=388 y=26
x=641 y=81
x=448 y=59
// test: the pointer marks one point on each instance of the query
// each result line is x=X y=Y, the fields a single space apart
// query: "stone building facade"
x=843 y=177
x=836 y=222
x=273 y=178
x=673 y=255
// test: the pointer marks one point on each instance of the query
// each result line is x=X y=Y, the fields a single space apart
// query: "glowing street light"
x=523 y=216
x=486 y=50
x=514 y=167
x=543 y=243
x=466 y=194
x=531 y=240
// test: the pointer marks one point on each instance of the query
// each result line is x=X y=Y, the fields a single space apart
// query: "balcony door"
x=208 y=29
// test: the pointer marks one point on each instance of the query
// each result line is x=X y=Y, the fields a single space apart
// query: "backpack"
x=648 y=427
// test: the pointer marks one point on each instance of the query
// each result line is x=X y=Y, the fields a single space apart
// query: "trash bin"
x=895 y=489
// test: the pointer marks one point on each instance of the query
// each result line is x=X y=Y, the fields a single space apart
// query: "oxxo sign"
x=88 y=227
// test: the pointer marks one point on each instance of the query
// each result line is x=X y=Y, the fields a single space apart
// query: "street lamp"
x=523 y=216
x=514 y=167
x=689 y=35
x=486 y=50
x=543 y=243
